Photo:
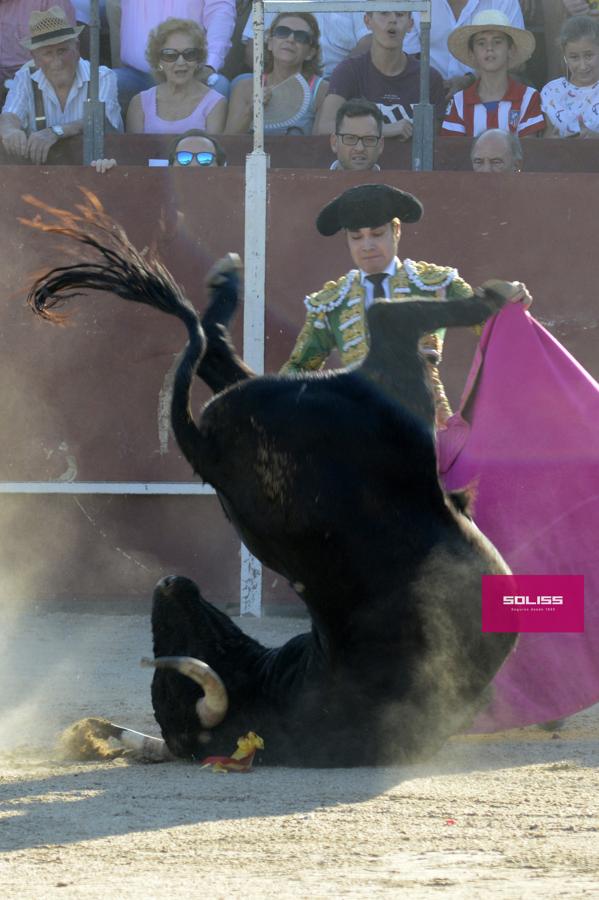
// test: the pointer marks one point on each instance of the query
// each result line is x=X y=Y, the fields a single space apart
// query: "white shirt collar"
x=391 y=269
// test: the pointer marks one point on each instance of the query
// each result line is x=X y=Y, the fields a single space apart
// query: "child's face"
x=491 y=51
x=582 y=59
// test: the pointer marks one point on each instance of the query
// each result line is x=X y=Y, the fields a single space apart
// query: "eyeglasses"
x=190 y=54
x=204 y=158
x=299 y=35
x=350 y=140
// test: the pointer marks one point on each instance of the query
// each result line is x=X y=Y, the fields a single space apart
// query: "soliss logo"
x=528 y=600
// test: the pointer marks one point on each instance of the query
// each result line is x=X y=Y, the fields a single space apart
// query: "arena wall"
x=85 y=402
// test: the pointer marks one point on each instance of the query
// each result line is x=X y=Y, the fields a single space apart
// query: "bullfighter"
x=372 y=215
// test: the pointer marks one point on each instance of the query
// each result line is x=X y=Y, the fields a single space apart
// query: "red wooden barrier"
x=83 y=400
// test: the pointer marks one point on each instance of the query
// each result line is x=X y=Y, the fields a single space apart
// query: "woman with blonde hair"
x=294 y=89
x=176 y=51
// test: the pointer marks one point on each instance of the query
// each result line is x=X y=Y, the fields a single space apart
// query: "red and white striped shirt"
x=519 y=112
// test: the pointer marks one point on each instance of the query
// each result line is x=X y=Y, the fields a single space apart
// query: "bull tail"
x=119 y=268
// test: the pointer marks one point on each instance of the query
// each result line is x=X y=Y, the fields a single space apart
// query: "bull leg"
x=220 y=366
x=415 y=318
x=394 y=362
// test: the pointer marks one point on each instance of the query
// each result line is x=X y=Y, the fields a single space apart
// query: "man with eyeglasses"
x=371 y=216
x=358 y=138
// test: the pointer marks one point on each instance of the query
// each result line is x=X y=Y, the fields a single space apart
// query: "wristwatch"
x=58 y=130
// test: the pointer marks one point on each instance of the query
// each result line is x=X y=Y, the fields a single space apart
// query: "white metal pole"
x=256 y=186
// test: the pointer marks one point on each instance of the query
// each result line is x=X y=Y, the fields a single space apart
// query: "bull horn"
x=212 y=707
x=150 y=748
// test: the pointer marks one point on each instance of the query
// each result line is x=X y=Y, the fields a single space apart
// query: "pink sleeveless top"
x=153 y=124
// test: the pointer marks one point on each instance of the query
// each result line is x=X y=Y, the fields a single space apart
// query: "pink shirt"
x=14 y=26
x=138 y=17
x=153 y=124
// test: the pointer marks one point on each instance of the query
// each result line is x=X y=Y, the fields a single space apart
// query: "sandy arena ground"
x=514 y=815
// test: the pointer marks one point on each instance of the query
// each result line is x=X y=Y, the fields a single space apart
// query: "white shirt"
x=337 y=167
x=369 y=287
x=339 y=34
x=563 y=103
x=20 y=102
x=443 y=22
x=139 y=17
x=82 y=10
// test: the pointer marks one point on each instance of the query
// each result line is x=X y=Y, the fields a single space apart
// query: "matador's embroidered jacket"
x=336 y=319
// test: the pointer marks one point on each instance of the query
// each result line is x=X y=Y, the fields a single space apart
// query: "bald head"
x=496 y=151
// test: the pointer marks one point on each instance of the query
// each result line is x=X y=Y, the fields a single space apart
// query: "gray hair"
x=512 y=140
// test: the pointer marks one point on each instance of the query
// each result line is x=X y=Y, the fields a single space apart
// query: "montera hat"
x=49 y=26
x=368 y=206
x=491 y=20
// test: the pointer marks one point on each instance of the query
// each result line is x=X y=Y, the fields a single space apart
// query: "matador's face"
x=372 y=249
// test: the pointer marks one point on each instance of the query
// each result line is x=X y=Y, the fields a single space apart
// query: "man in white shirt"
x=46 y=101
x=339 y=35
x=446 y=15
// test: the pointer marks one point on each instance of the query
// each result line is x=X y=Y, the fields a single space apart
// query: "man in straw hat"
x=491 y=46
x=14 y=22
x=372 y=215
x=45 y=103
x=447 y=15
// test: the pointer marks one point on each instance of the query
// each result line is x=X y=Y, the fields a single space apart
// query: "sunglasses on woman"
x=299 y=35
x=190 y=54
x=204 y=158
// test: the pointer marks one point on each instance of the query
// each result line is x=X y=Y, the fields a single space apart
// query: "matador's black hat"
x=368 y=206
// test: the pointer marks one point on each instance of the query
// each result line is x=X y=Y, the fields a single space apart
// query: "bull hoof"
x=229 y=264
x=498 y=291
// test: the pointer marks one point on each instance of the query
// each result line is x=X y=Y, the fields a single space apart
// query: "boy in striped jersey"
x=491 y=46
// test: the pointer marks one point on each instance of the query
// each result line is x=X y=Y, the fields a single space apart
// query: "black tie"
x=377 y=280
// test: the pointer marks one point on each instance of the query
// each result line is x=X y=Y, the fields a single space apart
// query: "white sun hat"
x=491 y=20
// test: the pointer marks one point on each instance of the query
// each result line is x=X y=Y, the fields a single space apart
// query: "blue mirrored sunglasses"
x=204 y=158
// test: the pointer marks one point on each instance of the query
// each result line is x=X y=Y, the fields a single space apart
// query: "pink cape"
x=527 y=433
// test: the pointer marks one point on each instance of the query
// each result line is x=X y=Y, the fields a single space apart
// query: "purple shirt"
x=395 y=95
x=14 y=26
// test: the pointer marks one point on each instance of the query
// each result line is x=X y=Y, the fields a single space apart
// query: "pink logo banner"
x=533 y=603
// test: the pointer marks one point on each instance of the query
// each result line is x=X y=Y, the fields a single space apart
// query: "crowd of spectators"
x=526 y=67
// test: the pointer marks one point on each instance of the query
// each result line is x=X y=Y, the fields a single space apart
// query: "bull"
x=331 y=480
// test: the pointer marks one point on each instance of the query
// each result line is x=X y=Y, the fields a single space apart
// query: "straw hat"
x=491 y=20
x=49 y=26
